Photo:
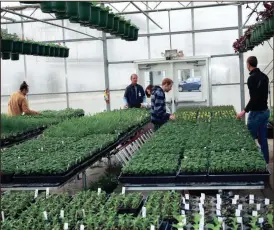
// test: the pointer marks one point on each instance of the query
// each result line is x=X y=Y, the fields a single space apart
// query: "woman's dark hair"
x=23 y=86
x=149 y=87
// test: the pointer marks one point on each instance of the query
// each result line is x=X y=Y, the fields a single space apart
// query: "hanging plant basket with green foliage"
x=110 y=22
x=94 y=16
x=51 y=51
x=115 y=25
x=59 y=15
x=103 y=17
x=5 y=56
x=47 y=7
x=41 y=50
x=17 y=47
x=14 y=57
x=47 y=50
x=127 y=25
x=122 y=26
x=6 y=45
x=59 y=6
x=72 y=11
x=27 y=47
x=84 y=11
x=66 y=52
x=57 y=51
x=34 y=49
x=133 y=33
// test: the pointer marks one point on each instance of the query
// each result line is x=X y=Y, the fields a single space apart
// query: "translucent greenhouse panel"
x=182 y=42
x=246 y=11
x=120 y=50
x=139 y=20
x=264 y=54
x=47 y=102
x=85 y=66
x=90 y=102
x=161 y=18
x=158 y=45
x=116 y=99
x=225 y=70
x=4 y=104
x=119 y=75
x=13 y=28
x=12 y=75
x=205 y=18
x=45 y=75
x=227 y=95
x=213 y=43
x=180 y=20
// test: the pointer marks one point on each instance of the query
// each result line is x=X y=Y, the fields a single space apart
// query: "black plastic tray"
x=62 y=178
x=248 y=177
x=147 y=179
x=188 y=177
x=133 y=211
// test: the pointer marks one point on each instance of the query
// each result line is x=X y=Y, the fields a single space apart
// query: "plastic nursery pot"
x=122 y=26
x=61 y=52
x=34 y=49
x=94 y=19
x=136 y=31
x=52 y=51
x=57 y=52
x=27 y=48
x=47 y=50
x=115 y=25
x=14 y=57
x=17 y=47
x=6 y=45
x=46 y=7
x=41 y=50
x=66 y=52
x=110 y=22
x=127 y=25
x=84 y=11
x=5 y=56
x=103 y=18
x=72 y=11
x=271 y=23
x=59 y=15
x=59 y=6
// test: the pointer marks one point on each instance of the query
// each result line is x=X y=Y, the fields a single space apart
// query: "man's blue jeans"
x=257 y=126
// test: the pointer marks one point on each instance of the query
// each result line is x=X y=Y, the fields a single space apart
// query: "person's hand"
x=126 y=106
x=172 y=117
x=240 y=115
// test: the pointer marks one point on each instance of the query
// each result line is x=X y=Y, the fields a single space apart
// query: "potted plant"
x=110 y=22
x=115 y=25
x=34 y=49
x=47 y=7
x=103 y=21
x=94 y=19
x=41 y=49
x=122 y=26
x=6 y=45
x=27 y=47
x=84 y=11
x=17 y=45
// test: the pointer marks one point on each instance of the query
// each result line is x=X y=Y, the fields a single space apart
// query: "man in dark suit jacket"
x=134 y=95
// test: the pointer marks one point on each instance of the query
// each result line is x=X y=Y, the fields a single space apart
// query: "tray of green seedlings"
x=220 y=112
x=204 y=114
x=188 y=114
x=14 y=203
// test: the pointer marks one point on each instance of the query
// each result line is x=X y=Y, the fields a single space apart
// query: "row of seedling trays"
x=90 y=15
x=160 y=210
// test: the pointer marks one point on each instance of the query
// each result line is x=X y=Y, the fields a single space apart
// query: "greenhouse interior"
x=138 y=115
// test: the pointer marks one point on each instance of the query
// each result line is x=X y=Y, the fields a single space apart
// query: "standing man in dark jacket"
x=259 y=113
x=134 y=95
x=159 y=116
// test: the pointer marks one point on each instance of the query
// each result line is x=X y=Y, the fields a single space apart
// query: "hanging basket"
x=47 y=50
x=41 y=50
x=59 y=6
x=52 y=51
x=84 y=11
x=57 y=52
x=131 y=33
x=62 y=52
x=72 y=11
x=59 y=15
x=6 y=45
x=115 y=25
x=127 y=25
x=34 y=49
x=14 y=57
x=27 y=48
x=110 y=23
x=121 y=29
x=103 y=18
x=94 y=16
x=17 y=47
x=5 y=56
x=66 y=53
x=46 y=7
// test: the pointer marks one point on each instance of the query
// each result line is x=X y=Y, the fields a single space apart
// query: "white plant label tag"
x=218 y=206
x=65 y=226
x=234 y=201
x=62 y=214
x=202 y=201
x=187 y=196
x=219 y=201
x=261 y=220
x=183 y=212
x=152 y=227
x=218 y=197
x=82 y=227
x=184 y=219
x=254 y=213
x=238 y=212
x=220 y=219
x=144 y=212
x=258 y=207
x=84 y=214
x=36 y=193
x=99 y=191
x=240 y=207
x=45 y=215
x=239 y=220
x=3 y=215
x=266 y=201
x=47 y=192
x=201 y=206
x=236 y=197
x=218 y=212
x=186 y=206
x=251 y=201
x=202 y=212
x=251 y=197
x=184 y=200
x=123 y=190
x=203 y=196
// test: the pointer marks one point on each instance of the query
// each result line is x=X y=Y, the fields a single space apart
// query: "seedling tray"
x=147 y=179
x=183 y=177
x=239 y=177
x=133 y=211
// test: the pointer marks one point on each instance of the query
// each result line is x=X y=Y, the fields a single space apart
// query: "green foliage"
x=270 y=220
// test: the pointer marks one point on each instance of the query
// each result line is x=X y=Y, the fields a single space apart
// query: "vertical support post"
x=169 y=29
x=241 y=59
x=148 y=37
x=192 y=28
x=105 y=54
x=84 y=180
x=66 y=66
x=25 y=62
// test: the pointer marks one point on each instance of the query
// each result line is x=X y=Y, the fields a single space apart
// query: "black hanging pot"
x=14 y=57
x=5 y=56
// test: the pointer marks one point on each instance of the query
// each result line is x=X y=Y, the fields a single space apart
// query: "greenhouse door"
x=190 y=83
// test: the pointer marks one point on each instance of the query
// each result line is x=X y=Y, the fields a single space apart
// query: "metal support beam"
x=126 y=7
x=169 y=29
x=24 y=56
x=148 y=38
x=250 y=15
x=146 y=15
x=49 y=23
x=241 y=59
x=192 y=27
x=22 y=7
x=7 y=18
x=156 y=6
